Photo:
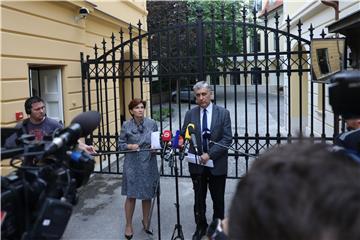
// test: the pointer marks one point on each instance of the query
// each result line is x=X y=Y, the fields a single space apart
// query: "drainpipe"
x=333 y=4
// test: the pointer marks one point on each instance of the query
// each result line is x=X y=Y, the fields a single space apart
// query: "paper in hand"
x=155 y=140
x=191 y=158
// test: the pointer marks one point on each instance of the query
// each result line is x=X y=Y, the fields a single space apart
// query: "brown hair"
x=136 y=101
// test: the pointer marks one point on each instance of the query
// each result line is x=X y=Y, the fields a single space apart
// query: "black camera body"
x=37 y=198
x=344 y=93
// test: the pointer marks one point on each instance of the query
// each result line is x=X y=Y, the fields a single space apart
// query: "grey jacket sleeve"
x=216 y=151
x=123 y=138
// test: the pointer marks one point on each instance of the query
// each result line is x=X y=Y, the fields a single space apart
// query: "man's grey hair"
x=202 y=84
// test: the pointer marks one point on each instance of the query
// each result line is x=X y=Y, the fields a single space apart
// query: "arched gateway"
x=260 y=73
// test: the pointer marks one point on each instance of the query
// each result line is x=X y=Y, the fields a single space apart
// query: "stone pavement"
x=100 y=211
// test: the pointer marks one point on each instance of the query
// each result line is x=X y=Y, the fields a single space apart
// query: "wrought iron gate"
x=255 y=79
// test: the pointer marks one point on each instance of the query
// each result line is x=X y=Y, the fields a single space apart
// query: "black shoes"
x=146 y=229
x=128 y=237
x=199 y=233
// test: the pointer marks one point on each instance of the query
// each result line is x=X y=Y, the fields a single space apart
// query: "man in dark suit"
x=208 y=117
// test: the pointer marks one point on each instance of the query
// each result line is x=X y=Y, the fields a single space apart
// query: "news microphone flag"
x=175 y=142
x=166 y=136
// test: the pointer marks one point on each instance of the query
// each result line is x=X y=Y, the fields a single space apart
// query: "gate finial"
x=311 y=30
x=199 y=12
x=139 y=26
x=104 y=44
x=121 y=35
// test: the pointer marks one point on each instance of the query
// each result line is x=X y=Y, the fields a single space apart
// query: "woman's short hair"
x=136 y=101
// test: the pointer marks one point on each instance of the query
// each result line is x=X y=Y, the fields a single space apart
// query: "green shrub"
x=166 y=112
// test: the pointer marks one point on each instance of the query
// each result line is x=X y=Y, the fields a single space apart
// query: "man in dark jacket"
x=207 y=117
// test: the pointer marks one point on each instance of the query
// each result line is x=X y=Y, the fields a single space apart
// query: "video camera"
x=344 y=93
x=37 y=198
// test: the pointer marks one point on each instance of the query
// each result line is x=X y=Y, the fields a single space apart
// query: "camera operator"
x=37 y=198
x=39 y=125
x=346 y=139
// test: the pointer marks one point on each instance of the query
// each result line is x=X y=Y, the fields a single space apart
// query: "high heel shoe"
x=129 y=237
x=148 y=231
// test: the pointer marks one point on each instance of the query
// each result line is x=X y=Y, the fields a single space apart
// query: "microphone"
x=175 y=141
x=181 y=148
x=174 y=145
x=187 y=135
x=187 y=131
x=191 y=129
x=206 y=134
x=166 y=138
x=81 y=126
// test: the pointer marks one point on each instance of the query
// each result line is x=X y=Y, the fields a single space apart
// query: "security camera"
x=84 y=12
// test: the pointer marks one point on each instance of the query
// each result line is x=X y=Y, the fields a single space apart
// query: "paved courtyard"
x=100 y=212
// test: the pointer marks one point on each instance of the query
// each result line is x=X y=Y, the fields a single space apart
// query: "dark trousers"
x=216 y=186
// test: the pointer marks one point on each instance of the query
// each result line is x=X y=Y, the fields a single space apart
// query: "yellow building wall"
x=48 y=34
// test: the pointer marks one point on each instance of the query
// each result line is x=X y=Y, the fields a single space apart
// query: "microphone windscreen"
x=181 y=142
x=206 y=133
x=189 y=129
x=166 y=136
x=88 y=121
x=175 y=142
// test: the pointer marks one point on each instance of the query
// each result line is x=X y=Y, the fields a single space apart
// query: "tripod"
x=178 y=227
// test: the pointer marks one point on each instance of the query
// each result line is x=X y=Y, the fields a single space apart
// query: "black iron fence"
x=263 y=79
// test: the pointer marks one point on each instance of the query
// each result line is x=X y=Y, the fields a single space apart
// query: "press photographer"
x=344 y=98
x=37 y=198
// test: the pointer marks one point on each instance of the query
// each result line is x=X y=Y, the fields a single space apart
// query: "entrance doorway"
x=45 y=82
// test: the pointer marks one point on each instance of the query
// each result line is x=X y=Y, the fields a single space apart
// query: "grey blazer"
x=220 y=132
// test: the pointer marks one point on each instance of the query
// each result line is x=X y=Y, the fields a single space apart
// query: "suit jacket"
x=220 y=130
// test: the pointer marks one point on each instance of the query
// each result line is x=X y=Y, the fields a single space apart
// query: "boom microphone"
x=81 y=126
x=88 y=121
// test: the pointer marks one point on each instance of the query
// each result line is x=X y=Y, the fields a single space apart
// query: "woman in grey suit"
x=208 y=118
x=140 y=172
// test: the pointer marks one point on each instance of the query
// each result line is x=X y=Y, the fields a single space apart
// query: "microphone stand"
x=178 y=227
x=231 y=148
x=126 y=151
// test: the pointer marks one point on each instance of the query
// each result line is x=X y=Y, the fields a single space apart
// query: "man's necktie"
x=204 y=128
